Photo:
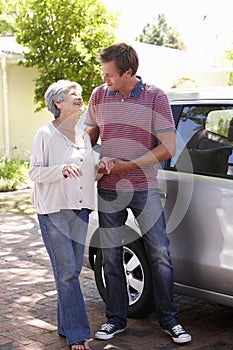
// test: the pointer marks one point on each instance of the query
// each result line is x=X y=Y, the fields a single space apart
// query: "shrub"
x=185 y=83
x=13 y=174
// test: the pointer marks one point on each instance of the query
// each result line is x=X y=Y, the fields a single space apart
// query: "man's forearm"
x=93 y=132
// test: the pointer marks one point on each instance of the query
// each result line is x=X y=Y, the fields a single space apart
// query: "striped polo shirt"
x=128 y=126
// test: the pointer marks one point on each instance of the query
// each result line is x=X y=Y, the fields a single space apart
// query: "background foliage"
x=62 y=39
x=8 y=14
x=159 y=33
x=13 y=175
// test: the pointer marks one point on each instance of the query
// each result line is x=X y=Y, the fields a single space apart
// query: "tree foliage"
x=62 y=39
x=8 y=14
x=185 y=83
x=159 y=33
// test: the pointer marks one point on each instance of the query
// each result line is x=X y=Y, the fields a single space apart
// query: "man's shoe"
x=179 y=334
x=107 y=331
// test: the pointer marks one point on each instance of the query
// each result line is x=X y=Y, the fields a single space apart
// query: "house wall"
x=23 y=122
x=164 y=66
x=166 y=78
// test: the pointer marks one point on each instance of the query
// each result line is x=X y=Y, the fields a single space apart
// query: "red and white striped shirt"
x=128 y=127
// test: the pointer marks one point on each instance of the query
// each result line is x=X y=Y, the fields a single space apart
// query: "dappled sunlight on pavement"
x=28 y=303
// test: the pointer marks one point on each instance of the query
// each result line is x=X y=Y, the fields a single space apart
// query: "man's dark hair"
x=123 y=55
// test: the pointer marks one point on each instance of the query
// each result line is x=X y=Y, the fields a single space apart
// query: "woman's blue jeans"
x=64 y=235
x=147 y=209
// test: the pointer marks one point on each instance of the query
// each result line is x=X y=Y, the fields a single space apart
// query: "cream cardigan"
x=52 y=192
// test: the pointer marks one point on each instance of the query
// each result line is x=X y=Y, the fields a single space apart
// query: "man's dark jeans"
x=147 y=209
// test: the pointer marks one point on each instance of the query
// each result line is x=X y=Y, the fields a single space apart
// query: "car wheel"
x=138 y=277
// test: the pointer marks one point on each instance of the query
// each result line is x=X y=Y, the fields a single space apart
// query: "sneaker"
x=178 y=334
x=107 y=331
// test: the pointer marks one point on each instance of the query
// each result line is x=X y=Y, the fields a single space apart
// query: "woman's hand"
x=71 y=170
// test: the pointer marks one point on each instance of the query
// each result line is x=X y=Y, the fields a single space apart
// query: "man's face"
x=112 y=78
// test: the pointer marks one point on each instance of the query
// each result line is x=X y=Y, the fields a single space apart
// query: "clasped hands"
x=106 y=165
x=109 y=165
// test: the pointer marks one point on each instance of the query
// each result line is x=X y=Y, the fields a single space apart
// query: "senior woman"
x=63 y=171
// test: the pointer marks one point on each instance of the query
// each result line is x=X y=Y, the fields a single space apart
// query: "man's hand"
x=120 y=166
x=112 y=166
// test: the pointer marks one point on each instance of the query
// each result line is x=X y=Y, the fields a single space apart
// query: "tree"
x=185 y=83
x=8 y=14
x=160 y=34
x=62 y=39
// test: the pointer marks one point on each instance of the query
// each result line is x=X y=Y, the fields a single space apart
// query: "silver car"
x=197 y=192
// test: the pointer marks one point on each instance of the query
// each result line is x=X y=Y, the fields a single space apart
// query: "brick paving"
x=28 y=302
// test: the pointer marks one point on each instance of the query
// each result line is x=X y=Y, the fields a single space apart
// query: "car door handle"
x=163 y=195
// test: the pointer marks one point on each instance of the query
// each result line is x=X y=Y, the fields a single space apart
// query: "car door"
x=198 y=189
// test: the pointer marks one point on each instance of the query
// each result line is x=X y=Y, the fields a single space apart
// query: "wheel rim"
x=135 y=279
x=134 y=275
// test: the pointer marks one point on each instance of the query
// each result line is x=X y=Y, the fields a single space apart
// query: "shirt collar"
x=136 y=92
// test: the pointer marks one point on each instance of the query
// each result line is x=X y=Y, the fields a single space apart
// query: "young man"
x=137 y=131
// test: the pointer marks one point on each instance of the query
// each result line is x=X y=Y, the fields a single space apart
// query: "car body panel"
x=201 y=248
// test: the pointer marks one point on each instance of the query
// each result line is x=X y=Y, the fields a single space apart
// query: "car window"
x=205 y=140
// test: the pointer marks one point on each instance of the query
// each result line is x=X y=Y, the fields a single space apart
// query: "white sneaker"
x=107 y=331
x=179 y=334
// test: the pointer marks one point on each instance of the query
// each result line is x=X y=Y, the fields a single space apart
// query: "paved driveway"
x=28 y=303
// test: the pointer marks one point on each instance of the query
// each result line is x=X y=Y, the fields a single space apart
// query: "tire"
x=138 y=278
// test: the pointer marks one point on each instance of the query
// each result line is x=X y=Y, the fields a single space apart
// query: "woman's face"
x=73 y=103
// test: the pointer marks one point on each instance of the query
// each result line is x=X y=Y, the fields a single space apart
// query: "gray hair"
x=57 y=92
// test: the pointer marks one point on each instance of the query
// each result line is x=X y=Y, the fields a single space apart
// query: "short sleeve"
x=162 y=115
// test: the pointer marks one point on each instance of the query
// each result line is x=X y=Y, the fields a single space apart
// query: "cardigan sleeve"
x=40 y=169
